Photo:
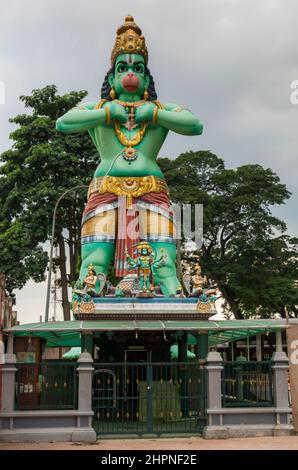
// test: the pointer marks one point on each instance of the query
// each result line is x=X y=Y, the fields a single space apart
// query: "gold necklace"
x=130 y=153
x=131 y=104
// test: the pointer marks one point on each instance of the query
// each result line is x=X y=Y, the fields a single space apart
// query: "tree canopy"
x=246 y=250
x=39 y=167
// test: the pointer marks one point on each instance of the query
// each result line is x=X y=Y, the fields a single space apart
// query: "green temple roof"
x=68 y=333
x=73 y=353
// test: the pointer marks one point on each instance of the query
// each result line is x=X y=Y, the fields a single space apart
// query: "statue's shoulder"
x=100 y=104
x=86 y=106
x=173 y=107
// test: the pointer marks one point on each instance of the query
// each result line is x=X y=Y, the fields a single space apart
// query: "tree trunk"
x=72 y=273
x=74 y=251
x=283 y=312
x=233 y=303
x=74 y=245
x=62 y=265
x=295 y=311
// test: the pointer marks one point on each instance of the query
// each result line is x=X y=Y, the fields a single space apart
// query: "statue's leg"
x=100 y=254
x=147 y=282
x=157 y=226
x=142 y=281
x=166 y=275
x=98 y=240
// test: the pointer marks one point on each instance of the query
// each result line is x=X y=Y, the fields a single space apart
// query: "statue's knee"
x=170 y=261
x=168 y=265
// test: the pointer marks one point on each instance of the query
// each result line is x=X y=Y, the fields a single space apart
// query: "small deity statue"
x=93 y=284
x=145 y=264
x=187 y=280
x=90 y=280
x=198 y=281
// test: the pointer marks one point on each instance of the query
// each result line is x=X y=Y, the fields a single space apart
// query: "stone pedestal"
x=280 y=370
x=85 y=371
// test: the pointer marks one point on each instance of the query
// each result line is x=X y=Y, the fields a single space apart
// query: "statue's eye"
x=122 y=68
x=138 y=68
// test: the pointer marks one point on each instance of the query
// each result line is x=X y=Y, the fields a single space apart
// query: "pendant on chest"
x=130 y=154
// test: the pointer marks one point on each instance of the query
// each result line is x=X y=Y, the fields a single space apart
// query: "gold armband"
x=154 y=118
x=108 y=115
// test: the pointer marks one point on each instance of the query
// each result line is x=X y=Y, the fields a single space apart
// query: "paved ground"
x=185 y=443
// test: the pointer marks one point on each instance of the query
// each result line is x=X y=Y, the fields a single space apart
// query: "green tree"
x=42 y=164
x=246 y=251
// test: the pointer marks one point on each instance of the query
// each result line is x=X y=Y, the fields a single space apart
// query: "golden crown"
x=129 y=40
x=142 y=244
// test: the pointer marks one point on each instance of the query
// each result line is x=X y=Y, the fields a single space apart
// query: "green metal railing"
x=140 y=398
x=46 y=386
x=247 y=384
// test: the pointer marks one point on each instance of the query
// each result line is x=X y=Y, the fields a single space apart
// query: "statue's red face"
x=130 y=82
x=130 y=75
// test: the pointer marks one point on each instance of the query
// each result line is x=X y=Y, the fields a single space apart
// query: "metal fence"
x=247 y=384
x=46 y=386
x=140 y=398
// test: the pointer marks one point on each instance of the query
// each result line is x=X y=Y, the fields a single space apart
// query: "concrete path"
x=185 y=443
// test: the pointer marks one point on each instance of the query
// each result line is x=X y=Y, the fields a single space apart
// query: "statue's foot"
x=145 y=294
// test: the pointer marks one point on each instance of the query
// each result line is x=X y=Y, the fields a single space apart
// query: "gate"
x=247 y=384
x=143 y=397
x=46 y=386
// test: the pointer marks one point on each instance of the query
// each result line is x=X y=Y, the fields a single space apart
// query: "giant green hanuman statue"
x=128 y=198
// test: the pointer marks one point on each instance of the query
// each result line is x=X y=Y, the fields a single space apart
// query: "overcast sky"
x=231 y=62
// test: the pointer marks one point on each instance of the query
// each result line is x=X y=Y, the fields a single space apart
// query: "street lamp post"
x=52 y=247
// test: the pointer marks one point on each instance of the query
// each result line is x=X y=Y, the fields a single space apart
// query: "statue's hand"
x=118 y=113
x=144 y=112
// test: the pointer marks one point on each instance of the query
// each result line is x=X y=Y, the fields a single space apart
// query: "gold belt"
x=128 y=186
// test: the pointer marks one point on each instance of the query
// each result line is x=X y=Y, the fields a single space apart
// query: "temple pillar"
x=87 y=343
x=10 y=344
x=202 y=343
x=259 y=347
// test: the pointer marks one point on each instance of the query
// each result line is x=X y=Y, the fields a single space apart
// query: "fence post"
x=214 y=428
x=8 y=382
x=85 y=371
x=280 y=369
x=214 y=368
